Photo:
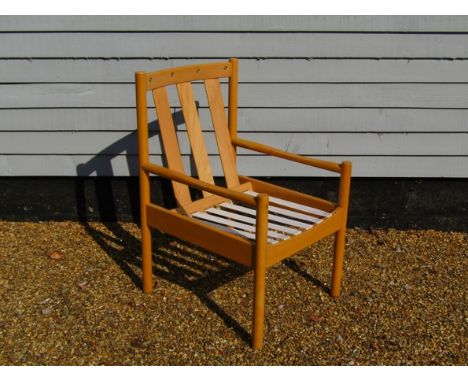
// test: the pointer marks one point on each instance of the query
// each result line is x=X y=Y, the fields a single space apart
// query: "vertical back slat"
x=171 y=143
x=197 y=143
x=220 y=124
x=233 y=86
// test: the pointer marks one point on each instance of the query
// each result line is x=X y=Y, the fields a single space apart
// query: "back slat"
x=194 y=131
x=171 y=144
x=218 y=116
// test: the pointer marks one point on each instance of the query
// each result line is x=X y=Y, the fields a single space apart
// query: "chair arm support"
x=345 y=185
x=199 y=184
x=325 y=165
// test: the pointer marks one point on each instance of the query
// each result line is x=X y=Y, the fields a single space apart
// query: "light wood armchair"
x=251 y=222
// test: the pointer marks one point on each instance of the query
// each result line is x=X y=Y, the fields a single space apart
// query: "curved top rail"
x=172 y=76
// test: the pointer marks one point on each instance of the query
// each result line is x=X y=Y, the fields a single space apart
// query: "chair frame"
x=259 y=254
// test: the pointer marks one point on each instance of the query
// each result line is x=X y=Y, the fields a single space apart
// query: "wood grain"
x=197 y=141
x=170 y=143
x=220 y=124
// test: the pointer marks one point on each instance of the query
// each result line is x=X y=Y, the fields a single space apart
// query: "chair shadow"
x=173 y=261
x=291 y=264
x=200 y=274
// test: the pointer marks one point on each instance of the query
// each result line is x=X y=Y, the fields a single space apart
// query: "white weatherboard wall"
x=389 y=93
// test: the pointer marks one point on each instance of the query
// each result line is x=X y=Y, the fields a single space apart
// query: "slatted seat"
x=285 y=218
x=251 y=222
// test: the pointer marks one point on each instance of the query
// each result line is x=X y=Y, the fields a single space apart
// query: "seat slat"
x=293 y=214
x=276 y=227
x=289 y=213
x=220 y=125
x=194 y=131
x=246 y=234
x=271 y=217
x=170 y=143
x=235 y=224
x=296 y=206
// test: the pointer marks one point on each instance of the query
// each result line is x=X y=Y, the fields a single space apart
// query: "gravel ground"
x=70 y=295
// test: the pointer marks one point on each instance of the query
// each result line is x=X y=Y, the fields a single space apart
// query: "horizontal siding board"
x=250 y=95
x=265 y=120
x=235 y=23
x=389 y=93
x=301 y=143
x=72 y=165
x=216 y=45
x=250 y=70
x=357 y=120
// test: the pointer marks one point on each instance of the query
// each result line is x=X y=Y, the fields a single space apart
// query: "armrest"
x=326 y=165
x=199 y=184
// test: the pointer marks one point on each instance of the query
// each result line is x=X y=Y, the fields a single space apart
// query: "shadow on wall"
x=101 y=166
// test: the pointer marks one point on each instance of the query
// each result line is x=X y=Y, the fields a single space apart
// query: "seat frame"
x=257 y=254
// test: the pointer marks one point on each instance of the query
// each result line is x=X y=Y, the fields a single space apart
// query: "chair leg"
x=147 y=259
x=260 y=271
x=146 y=247
x=337 y=272
x=343 y=202
x=259 y=305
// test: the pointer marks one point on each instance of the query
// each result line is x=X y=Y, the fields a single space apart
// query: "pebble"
x=419 y=320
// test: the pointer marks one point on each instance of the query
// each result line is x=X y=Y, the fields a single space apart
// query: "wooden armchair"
x=250 y=222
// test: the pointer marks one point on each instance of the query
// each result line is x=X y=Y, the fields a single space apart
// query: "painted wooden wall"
x=389 y=93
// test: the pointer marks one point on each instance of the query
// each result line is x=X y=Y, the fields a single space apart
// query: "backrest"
x=181 y=77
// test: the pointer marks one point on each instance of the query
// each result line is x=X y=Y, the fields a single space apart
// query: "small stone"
x=55 y=255
x=419 y=320
x=137 y=343
x=315 y=318
x=83 y=285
